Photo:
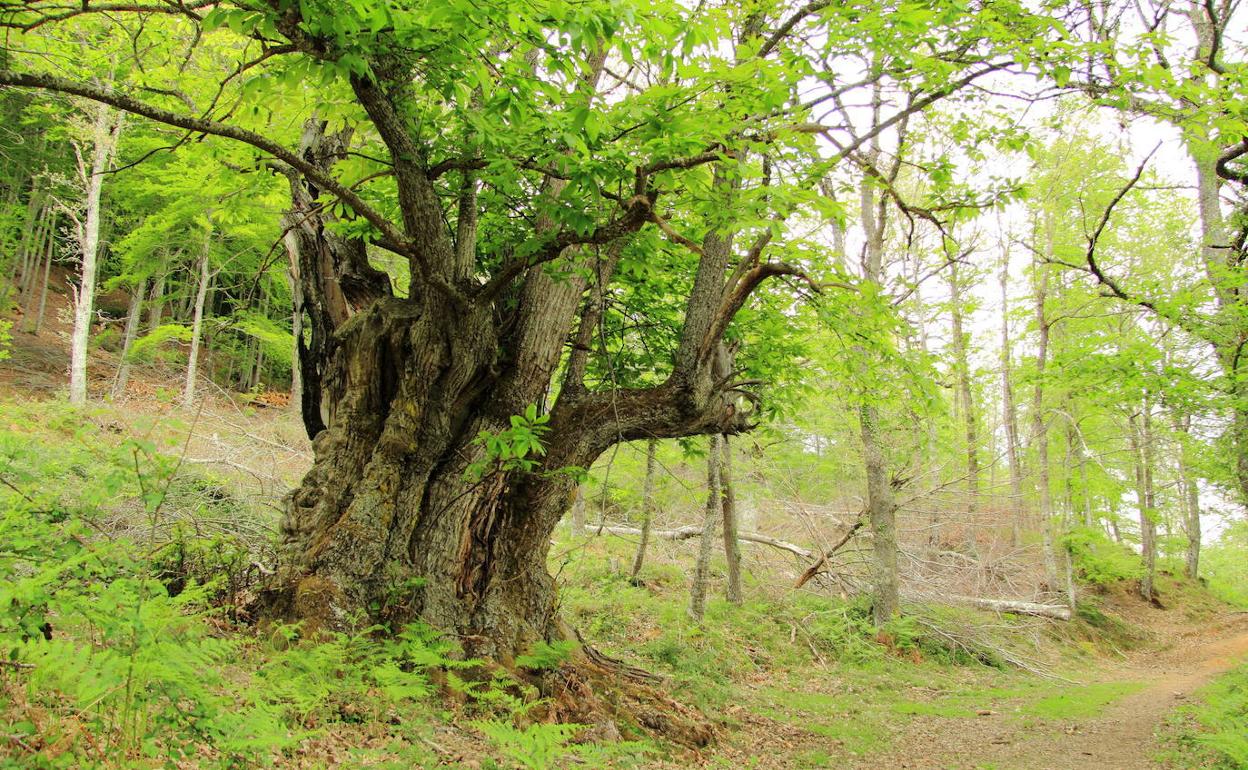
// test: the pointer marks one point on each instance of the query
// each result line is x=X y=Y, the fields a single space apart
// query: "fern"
x=546 y=655
x=536 y=747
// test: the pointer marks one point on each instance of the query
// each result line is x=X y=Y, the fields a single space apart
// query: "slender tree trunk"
x=1149 y=541
x=578 y=511
x=1009 y=409
x=1191 y=488
x=256 y=369
x=647 y=507
x=30 y=225
x=714 y=507
x=105 y=133
x=1191 y=500
x=1221 y=268
x=43 y=287
x=296 y=320
x=1141 y=441
x=1070 y=461
x=881 y=513
x=1088 y=520
x=927 y=429
x=296 y=380
x=197 y=326
x=133 y=319
x=732 y=546
x=881 y=510
x=32 y=253
x=965 y=395
x=156 y=304
x=1039 y=423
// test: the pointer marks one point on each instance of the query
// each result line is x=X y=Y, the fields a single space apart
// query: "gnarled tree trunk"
x=390 y=518
x=404 y=514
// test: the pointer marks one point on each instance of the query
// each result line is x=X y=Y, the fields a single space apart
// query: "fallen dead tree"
x=690 y=532
x=1055 y=611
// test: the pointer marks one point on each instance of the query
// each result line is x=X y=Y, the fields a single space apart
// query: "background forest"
x=915 y=331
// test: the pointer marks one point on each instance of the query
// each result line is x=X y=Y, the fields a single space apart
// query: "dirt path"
x=1122 y=736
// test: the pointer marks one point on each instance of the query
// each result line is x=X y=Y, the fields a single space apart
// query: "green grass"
x=1212 y=732
x=811 y=662
x=1081 y=702
x=936 y=709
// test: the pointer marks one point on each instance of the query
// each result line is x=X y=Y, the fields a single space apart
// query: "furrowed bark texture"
x=403 y=514
x=390 y=520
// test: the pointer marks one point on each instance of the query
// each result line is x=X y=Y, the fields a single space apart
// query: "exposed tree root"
x=614 y=698
x=584 y=691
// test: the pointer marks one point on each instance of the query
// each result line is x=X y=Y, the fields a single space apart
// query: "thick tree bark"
x=647 y=508
x=333 y=277
x=133 y=318
x=404 y=513
x=714 y=511
x=106 y=130
x=408 y=386
x=732 y=547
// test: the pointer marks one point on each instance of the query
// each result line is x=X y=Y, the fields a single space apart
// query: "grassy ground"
x=141 y=563
x=1212 y=731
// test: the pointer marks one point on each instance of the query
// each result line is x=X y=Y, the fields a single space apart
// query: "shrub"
x=1098 y=560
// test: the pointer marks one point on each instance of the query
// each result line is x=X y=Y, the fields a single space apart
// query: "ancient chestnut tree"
x=491 y=204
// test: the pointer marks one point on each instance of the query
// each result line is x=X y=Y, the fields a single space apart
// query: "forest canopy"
x=922 y=247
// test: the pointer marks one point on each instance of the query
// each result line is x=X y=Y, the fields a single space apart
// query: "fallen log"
x=687 y=533
x=1055 y=611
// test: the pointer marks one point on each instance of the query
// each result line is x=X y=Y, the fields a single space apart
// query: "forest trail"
x=1120 y=736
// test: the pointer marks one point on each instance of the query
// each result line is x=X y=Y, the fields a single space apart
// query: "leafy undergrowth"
x=1212 y=732
x=805 y=681
x=123 y=643
x=120 y=644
